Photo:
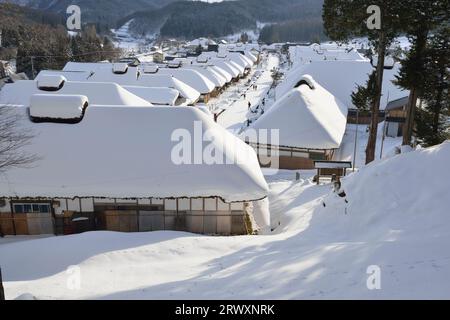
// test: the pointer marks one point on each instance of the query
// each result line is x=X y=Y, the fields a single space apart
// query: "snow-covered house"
x=98 y=93
x=120 y=169
x=192 y=78
x=69 y=75
x=227 y=67
x=311 y=124
x=147 y=75
x=157 y=96
x=212 y=75
x=341 y=78
x=189 y=95
x=396 y=116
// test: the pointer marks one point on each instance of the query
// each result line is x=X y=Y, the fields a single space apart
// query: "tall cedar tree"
x=420 y=18
x=346 y=19
x=432 y=120
x=364 y=96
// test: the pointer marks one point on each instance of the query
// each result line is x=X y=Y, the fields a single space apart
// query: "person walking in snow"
x=249 y=105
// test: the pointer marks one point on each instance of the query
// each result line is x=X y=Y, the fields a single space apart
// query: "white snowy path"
x=236 y=105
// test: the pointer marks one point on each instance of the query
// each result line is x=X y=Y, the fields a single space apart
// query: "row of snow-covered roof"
x=98 y=132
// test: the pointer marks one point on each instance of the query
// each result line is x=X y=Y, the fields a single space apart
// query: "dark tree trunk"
x=438 y=107
x=410 y=116
x=2 y=291
x=372 y=142
x=415 y=91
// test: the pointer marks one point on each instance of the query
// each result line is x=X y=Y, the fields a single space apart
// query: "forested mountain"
x=101 y=12
x=39 y=40
x=195 y=19
x=290 y=20
x=309 y=29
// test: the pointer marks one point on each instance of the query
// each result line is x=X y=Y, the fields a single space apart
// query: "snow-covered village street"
x=241 y=150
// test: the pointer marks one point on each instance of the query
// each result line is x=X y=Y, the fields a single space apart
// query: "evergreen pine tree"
x=345 y=19
x=419 y=20
x=432 y=119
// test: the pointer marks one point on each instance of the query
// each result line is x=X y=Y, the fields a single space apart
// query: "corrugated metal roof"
x=395 y=104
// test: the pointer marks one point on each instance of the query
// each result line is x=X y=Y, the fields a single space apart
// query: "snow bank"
x=408 y=193
x=397 y=219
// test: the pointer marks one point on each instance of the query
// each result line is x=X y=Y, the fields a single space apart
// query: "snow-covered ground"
x=360 y=133
x=126 y=41
x=235 y=100
x=394 y=218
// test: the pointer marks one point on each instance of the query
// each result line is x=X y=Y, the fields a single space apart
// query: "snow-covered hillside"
x=396 y=218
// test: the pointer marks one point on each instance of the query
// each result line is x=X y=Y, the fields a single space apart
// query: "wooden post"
x=2 y=290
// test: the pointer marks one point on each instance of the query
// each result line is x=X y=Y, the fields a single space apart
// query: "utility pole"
x=2 y=290
x=356 y=140
x=33 y=75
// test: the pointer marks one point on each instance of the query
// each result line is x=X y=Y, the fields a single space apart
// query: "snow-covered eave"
x=333 y=147
x=53 y=197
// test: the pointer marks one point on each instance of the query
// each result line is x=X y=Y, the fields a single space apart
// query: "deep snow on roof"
x=227 y=66
x=167 y=81
x=69 y=75
x=210 y=74
x=87 y=66
x=158 y=96
x=341 y=78
x=306 y=118
x=99 y=93
x=103 y=72
x=126 y=152
x=191 y=77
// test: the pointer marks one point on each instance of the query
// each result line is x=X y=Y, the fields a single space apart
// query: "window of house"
x=31 y=208
x=317 y=156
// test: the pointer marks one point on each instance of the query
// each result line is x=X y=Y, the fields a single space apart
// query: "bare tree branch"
x=13 y=138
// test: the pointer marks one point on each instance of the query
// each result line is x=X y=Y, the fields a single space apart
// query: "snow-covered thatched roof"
x=69 y=75
x=228 y=77
x=127 y=152
x=341 y=79
x=192 y=78
x=104 y=72
x=98 y=93
x=87 y=66
x=167 y=81
x=210 y=74
x=57 y=108
x=227 y=66
x=157 y=96
x=307 y=117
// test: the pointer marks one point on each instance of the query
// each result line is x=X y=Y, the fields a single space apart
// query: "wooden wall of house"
x=293 y=159
x=204 y=216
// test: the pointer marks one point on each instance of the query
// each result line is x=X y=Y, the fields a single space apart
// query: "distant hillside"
x=196 y=19
x=102 y=12
x=11 y=15
x=310 y=29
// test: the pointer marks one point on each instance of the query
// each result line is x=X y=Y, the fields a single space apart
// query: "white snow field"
x=397 y=219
